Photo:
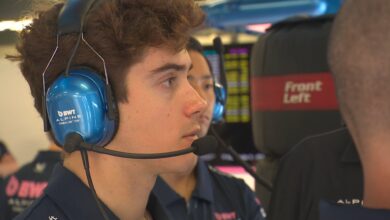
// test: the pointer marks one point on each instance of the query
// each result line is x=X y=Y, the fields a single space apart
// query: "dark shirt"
x=2 y=200
x=329 y=211
x=324 y=166
x=20 y=189
x=216 y=196
x=68 y=198
x=3 y=149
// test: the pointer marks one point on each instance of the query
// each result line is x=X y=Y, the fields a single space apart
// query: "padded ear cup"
x=220 y=101
x=78 y=103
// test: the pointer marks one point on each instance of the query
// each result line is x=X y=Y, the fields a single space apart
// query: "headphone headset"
x=220 y=101
x=80 y=100
x=219 y=89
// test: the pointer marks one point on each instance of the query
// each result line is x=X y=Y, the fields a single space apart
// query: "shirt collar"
x=350 y=154
x=203 y=188
x=48 y=155
x=77 y=201
x=75 y=198
x=164 y=192
x=156 y=209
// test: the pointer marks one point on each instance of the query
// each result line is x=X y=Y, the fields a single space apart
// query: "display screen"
x=236 y=130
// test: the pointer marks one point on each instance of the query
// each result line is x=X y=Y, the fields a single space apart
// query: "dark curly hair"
x=120 y=30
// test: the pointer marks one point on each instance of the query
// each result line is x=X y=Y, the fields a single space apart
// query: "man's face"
x=201 y=80
x=163 y=110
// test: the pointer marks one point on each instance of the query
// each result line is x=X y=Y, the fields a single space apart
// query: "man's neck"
x=376 y=169
x=54 y=147
x=123 y=186
x=182 y=183
x=377 y=186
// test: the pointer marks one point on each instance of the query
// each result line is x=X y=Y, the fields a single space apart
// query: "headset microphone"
x=202 y=146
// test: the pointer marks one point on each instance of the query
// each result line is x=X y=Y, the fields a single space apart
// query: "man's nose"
x=196 y=102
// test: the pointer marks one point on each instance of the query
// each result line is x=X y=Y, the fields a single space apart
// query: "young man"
x=359 y=55
x=202 y=192
x=143 y=46
x=23 y=187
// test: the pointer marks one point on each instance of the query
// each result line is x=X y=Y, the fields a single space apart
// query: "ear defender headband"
x=79 y=100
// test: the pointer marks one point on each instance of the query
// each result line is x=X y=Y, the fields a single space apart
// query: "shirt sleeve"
x=3 y=199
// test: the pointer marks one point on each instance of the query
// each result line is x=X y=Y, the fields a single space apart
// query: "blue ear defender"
x=219 y=89
x=81 y=102
x=220 y=101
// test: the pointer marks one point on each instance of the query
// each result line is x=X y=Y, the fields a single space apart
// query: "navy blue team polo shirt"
x=216 y=196
x=67 y=198
x=331 y=211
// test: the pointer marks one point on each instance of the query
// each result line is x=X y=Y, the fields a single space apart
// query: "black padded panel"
x=294 y=48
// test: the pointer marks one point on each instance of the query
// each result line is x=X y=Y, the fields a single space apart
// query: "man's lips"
x=192 y=134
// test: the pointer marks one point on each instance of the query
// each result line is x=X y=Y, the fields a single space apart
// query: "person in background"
x=23 y=187
x=202 y=192
x=8 y=163
x=142 y=43
x=359 y=54
x=322 y=166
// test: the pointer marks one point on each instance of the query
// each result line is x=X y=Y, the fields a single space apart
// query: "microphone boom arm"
x=135 y=155
x=244 y=164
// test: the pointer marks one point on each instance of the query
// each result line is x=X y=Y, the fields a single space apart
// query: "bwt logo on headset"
x=67 y=112
x=68 y=117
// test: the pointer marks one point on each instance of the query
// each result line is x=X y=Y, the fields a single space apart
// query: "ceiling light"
x=261 y=28
x=14 y=25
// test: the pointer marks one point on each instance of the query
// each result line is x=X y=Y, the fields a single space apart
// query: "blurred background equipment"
x=292 y=90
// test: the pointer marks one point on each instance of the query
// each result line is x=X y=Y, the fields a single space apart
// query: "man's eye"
x=170 y=82
x=208 y=86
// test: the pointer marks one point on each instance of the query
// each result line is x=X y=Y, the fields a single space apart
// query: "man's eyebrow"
x=207 y=77
x=204 y=77
x=171 y=66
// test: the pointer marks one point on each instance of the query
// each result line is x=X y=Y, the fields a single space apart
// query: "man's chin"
x=187 y=164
